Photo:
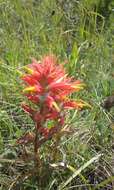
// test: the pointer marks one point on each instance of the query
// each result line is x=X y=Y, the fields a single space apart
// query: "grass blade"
x=77 y=172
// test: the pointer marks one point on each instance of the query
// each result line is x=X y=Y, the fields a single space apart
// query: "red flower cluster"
x=48 y=87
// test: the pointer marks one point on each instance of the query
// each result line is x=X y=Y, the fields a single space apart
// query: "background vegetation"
x=81 y=31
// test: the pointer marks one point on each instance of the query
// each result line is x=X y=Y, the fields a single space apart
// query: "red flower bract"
x=48 y=86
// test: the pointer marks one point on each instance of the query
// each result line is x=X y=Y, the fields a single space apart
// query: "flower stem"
x=36 y=151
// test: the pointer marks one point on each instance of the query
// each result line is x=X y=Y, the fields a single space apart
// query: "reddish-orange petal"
x=29 y=80
x=27 y=108
x=51 y=103
x=34 y=98
x=73 y=104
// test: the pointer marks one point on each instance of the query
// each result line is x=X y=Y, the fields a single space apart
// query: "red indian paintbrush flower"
x=48 y=87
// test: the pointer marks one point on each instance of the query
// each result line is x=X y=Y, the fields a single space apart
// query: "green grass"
x=76 y=32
